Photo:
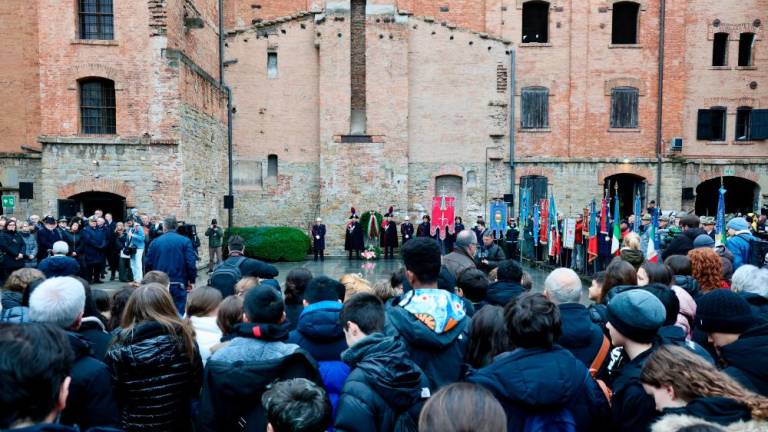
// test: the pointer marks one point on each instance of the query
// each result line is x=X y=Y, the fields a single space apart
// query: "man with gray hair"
x=174 y=254
x=59 y=264
x=582 y=337
x=61 y=301
x=462 y=257
x=752 y=284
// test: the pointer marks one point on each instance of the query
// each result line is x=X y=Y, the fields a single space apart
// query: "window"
x=711 y=124
x=746 y=40
x=96 y=19
x=720 y=50
x=624 y=25
x=535 y=22
x=743 y=121
x=97 y=106
x=534 y=107
x=271 y=65
x=272 y=165
x=624 y=102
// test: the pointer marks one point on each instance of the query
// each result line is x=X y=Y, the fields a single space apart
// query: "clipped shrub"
x=272 y=243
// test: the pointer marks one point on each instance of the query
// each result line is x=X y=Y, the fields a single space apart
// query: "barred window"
x=534 y=108
x=624 y=101
x=97 y=106
x=96 y=19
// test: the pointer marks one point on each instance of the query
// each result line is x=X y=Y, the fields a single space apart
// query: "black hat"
x=214 y=222
x=637 y=314
x=723 y=311
x=353 y=214
x=390 y=213
x=236 y=243
x=49 y=220
x=62 y=219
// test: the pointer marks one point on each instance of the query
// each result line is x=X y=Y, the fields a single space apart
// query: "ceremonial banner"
x=651 y=254
x=498 y=220
x=569 y=241
x=554 y=232
x=443 y=209
x=536 y=223
x=592 y=248
x=616 y=239
x=544 y=225
x=720 y=222
x=637 y=211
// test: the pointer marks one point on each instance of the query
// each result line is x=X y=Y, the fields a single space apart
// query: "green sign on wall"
x=9 y=201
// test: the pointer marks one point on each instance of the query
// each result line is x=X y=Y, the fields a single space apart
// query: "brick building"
x=389 y=102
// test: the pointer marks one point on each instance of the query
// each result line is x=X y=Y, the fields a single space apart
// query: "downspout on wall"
x=660 y=101
x=229 y=111
x=512 y=140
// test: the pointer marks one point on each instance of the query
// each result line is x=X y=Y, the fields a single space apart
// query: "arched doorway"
x=629 y=186
x=742 y=195
x=89 y=202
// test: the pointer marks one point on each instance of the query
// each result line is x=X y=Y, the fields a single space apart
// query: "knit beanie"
x=637 y=314
x=703 y=241
x=738 y=224
x=723 y=311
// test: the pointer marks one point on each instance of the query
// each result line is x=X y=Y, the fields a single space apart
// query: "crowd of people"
x=448 y=343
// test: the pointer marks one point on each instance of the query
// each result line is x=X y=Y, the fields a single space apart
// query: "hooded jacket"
x=502 y=292
x=544 y=380
x=91 y=401
x=718 y=410
x=740 y=246
x=745 y=359
x=59 y=265
x=675 y=335
x=154 y=378
x=632 y=408
x=321 y=335
x=440 y=356
x=384 y=384
x=689 y=284
x=237 y=375
x=674 y=422
x=582 y=337
x=683 y=243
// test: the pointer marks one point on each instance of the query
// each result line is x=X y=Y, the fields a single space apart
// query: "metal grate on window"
x=534 y=108
x=624 y=102
x=97 y=107
x=96 y=19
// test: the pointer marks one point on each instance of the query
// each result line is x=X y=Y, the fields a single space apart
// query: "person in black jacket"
x=507 y=286
x=432 y=322
x=59 y=264
x=318 y=239
x=46 y=237
x=582 y=337
x=12 y=248
x=91 y=402
x=237 y=375
x=155 y=364
x=634 y=318
x=95 y=241
x=321 y=335
x=540 y=380
x=389 y=235
x=406 y=229
x=385 y=388
x=683 y=243
x=740 y=338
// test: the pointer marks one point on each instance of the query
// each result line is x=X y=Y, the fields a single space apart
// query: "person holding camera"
x=215 y=237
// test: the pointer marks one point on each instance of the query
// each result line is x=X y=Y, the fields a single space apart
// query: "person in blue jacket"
x=739 y=237
x=321 y=335
x=539 y=383
x=174 y=255
x=95 y=241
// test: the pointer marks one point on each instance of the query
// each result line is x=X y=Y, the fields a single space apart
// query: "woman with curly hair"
x=706 y=268
x=683 y=383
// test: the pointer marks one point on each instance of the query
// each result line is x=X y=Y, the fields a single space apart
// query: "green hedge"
x=273 y=243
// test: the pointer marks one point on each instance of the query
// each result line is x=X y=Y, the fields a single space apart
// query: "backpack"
x=757 y=252
x=553 y=421
x=226 y=275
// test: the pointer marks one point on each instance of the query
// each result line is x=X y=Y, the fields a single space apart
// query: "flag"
x=650 y=253
x=592 y=248
x=637 y=210
x=616 y=239
x=720 y=238
x=536 y=216
x=604 y=217
x=544 y=225
x=523 y=216
x=554 y=235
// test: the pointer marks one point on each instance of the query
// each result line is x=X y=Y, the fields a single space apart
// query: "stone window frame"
x=608 y=7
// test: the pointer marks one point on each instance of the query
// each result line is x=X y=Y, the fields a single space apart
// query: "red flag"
x=442 y=215
x=604 y=218
x=544 y=228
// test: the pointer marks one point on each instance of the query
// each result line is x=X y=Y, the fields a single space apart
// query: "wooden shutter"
x=624 y=101
x=535 y=108
x=759 y=124
x=704 y=125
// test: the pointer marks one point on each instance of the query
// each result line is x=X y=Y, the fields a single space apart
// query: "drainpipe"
x=512 y=90
x=660 y=101
x=228 y=91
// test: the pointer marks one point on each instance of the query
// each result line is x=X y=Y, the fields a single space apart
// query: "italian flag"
x=650 y=253
x=616 y=239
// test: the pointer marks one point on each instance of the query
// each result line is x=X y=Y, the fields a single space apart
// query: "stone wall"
x=21 y=167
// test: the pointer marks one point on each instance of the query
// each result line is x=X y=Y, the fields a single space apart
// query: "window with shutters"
x=746 y=43
x=743 y=122
x=758 y=124
x=271 y=65
x=624 y=107
x=624 y=22
x=711 y=124
x=534 y=107
x=96 y=19
x=720 y=50
x=535 y=22
x=97 y=106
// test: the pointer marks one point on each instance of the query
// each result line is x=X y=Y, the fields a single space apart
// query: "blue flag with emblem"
x=720 y=223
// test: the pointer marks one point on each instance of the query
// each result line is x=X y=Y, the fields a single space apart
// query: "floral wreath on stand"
x=371 y=224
